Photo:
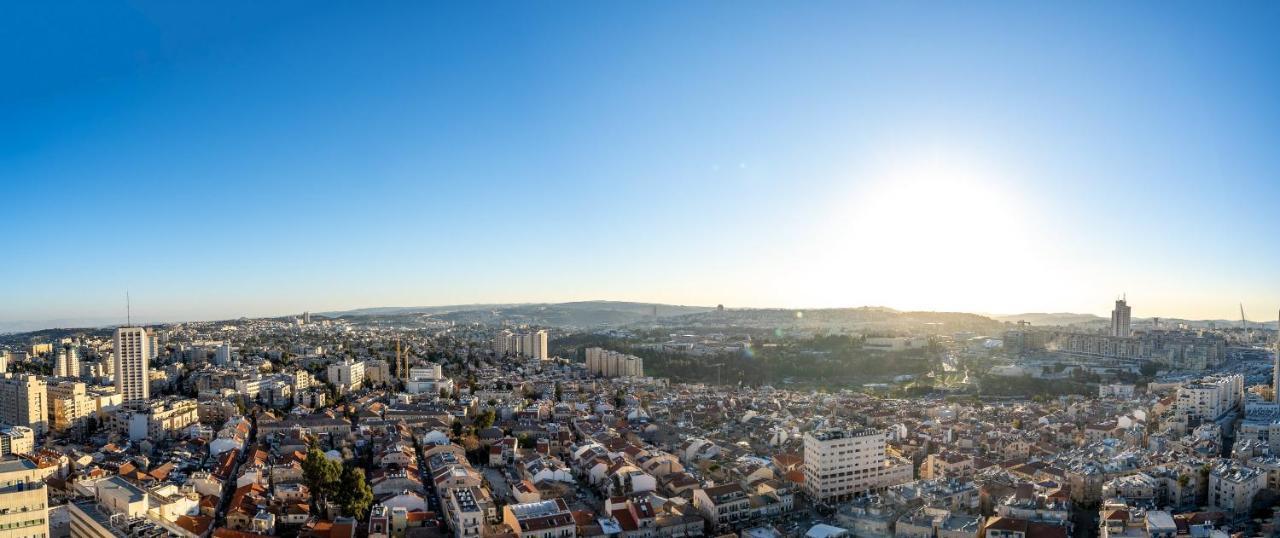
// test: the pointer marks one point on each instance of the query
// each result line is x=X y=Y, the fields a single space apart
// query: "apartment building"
x=24 y=500
x=16 y=440
x=159 y=419
x=542 y=519
x=69 y=405
x=842 y=464
x=463 y=512
x=608 y=363
x=347 y=375
x=1212 y=397
x=23 y=402
x=1232 y=487
x=532 y=345
x=132 y=354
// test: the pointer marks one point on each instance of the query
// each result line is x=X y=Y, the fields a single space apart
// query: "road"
x=229 y=488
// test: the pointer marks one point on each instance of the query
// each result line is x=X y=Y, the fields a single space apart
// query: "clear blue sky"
x=264 y=158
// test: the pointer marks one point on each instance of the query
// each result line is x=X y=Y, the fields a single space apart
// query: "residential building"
x=347 y=375
x=23 y=402
x=842 y=464
x=608 y=363
x=132 y=353
x=531 y=345
x=24 y=500
x=543 y=519
x=1120 y=319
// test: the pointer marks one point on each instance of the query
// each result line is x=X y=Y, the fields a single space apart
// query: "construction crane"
x=717 y=367
x=402 y=362
x=1244 y=324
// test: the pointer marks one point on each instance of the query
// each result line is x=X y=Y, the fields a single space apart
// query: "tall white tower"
x=1120 y=319
x=132 y=364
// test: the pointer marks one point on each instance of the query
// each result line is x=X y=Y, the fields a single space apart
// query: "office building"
x=24 y=402
x=1120 y=320
x=842 y=464
x=133 y=364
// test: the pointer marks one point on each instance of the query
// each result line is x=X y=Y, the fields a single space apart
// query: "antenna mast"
x=128 y=310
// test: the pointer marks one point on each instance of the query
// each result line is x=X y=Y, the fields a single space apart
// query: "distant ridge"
x=1064 y=319
x=1056 y=318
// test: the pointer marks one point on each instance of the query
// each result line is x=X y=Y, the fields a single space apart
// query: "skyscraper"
x=132 y=364
x=1120 y=319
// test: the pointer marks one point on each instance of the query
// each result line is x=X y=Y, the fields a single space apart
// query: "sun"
x=930 y=235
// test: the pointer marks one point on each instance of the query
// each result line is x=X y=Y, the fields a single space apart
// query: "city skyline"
x=988 y=159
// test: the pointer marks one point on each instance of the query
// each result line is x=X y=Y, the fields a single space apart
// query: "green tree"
x=322 y=474
x=486 y=418
x=355 y=495
x=456 y=427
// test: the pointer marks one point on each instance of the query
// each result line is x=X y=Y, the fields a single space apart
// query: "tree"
x=355 y=495
x=322 y=474
x=456 y=427
x=558 y=393
x=486 y=418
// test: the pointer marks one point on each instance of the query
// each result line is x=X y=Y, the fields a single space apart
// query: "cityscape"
x=675 y=421
x=640 y=270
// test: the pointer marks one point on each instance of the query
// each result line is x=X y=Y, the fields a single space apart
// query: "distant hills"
x=572 y=314
x=1064 y=319
x=1059 y=318
x=597 y=314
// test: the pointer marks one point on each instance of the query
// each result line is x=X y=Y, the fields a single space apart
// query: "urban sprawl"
x=712 y=422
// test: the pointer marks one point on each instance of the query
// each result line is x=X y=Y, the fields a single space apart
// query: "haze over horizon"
x=284 y=157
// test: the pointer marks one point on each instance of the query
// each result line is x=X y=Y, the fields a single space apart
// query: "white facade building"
x=133 y=364
x=842 y=464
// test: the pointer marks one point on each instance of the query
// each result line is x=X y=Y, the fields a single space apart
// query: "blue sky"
x=265 y=158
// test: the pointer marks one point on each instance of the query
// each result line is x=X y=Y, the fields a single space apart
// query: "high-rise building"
x=842 y=464
x=1120 y=319
x=532 y=345
x=68 y=362
x=24 y=500
x=306 y=318
x=535 y=345
x=133 y=365
x=24 y=402
x=609 y=363
x=222 y=355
